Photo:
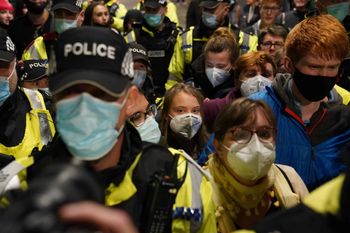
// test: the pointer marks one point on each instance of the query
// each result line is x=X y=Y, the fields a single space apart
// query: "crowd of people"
x=122 y=120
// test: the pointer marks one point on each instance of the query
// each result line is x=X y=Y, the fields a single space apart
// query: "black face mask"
x=36 y=8
x=313 y=87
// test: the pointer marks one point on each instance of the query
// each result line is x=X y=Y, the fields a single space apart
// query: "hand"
x=104 y=219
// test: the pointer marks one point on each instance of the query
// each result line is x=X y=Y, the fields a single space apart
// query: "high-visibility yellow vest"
x=195 y=194
x=39 y=130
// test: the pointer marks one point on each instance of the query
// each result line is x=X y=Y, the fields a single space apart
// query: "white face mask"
x=186 y=124
x=251 y=161
x=149 y=130
x=217 y=76
x=255 y=84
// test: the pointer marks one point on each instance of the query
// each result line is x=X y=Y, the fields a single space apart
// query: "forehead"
x=184 y=99
x=257 y=118
x=223 y=56
x=270 y=37
x=64 y=12
x=311 y=59
x=87 y=88
x=100 y=8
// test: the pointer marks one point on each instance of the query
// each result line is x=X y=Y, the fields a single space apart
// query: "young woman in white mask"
x=213 y=70
x=181 y=119
x=247 y=184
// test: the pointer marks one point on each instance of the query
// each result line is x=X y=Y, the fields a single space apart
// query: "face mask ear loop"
x=12 y=72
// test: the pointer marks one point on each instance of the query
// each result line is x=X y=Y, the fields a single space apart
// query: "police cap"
x=7 y=48
x=91 y=55
x=74 y=6
x=210 y=4
x=31 y=70
x=154 y=3
x=139 y=53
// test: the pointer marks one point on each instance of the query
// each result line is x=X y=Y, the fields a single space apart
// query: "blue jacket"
x=316 y=162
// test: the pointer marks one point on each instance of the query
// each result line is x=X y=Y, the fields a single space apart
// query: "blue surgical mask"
x=62 y=25
x=149 y=130
x=154 y=20
x=139 y=78
x=339 y=10
x=209 y=20
x=5 y=87
x=87 y=125
x=4 y=90
x=217 y=76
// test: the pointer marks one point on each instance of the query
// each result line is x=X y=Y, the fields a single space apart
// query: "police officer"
x=26 y=124
x=33 y=74
x=142 y=71
x=215 y=14
x=171 y=12
x=158 y=35
x=67 y=14
x=93 y=92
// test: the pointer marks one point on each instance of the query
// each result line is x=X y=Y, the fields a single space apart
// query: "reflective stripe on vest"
x=188 y=209
x=38 y=132
x=37 y=103
x=36 y=50
x=196 y=180
x=187 y=46
x=245 y=44
x=125 y=190
x=8 y=173
x=130 y=37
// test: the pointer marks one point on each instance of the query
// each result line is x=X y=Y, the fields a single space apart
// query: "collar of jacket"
x=153 y=31
x=132 y=146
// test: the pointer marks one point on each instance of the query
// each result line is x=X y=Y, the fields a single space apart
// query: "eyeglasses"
x=243 y=136
x=139 y=118
x=269 y=44
x=272 y=8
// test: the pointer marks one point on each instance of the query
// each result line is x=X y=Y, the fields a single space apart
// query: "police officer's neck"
x=111 y=159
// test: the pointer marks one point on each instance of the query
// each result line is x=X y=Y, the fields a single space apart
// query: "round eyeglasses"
x=243 y=135
x=139 y=118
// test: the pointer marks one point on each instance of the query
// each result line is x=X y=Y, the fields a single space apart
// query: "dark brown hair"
x=239 y=112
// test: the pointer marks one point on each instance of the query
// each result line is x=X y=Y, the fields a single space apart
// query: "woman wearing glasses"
x=247 y=184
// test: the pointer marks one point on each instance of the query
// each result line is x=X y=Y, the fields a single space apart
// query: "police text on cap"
x=86 y=49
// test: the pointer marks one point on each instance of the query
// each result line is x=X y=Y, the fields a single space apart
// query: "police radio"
x=160 y=198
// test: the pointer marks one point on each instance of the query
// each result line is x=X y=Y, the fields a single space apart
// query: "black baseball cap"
x=139 y=52
x=7 y=47
x=91 y=55
x=32 y=70
x=154 y=3
x=74 y=6
x=212 y=3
